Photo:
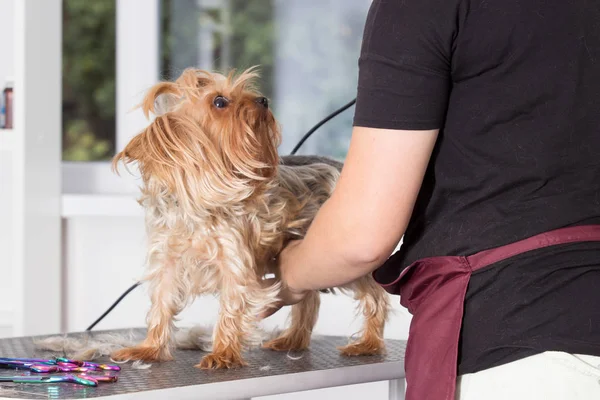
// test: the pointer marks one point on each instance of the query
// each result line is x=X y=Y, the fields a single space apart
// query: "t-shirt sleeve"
x=404 y=76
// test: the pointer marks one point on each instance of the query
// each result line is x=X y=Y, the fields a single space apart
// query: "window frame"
x=137 y=68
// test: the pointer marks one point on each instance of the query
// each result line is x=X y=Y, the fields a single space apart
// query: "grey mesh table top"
x=268 y=373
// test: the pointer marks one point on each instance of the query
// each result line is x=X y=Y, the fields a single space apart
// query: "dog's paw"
x=224 y=360
x=142 y=353
x=287 y=343
x=363 y=348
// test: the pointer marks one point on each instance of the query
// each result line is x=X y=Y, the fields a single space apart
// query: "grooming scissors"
x=51 y=379
x=61 y=364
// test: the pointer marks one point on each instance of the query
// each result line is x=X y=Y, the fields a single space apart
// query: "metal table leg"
x=397 y=389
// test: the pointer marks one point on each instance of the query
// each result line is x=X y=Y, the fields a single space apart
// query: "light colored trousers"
x=546 y=376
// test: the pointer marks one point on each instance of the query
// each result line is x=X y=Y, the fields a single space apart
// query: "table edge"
x=270 y=385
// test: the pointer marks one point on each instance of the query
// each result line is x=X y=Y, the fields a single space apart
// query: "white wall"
x=105 y=255
x=6 y=307
x=6 y=41
x=6 y=69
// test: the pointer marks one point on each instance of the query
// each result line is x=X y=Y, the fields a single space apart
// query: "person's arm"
x=357 y=229
x=403 y=92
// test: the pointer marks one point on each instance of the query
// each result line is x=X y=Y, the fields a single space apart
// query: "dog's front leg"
x=229 y=335
x=242 y=298
x=167 y=298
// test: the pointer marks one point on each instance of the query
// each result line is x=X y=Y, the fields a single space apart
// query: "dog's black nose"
x=263 y=101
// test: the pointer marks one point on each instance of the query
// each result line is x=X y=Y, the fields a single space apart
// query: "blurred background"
x=307 y=51
x=72 y=235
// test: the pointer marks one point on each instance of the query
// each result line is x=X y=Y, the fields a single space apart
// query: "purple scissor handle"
x=100 y=378
x=50 y=379
x=45 y=368
x=105 y=367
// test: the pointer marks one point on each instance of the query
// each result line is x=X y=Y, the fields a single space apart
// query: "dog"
x=220 y=204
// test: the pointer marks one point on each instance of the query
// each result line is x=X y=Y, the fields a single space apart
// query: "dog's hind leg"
x=374 y=304
x=304 y=317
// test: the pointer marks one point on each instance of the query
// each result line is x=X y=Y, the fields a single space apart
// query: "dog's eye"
x=220 y=102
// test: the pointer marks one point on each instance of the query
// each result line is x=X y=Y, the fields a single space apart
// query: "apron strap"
x=434 y=289
x=572 y=234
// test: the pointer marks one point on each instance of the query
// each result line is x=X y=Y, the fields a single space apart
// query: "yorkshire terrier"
x=220 y=204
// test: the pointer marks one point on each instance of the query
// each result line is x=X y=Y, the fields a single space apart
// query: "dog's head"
x=213 y=138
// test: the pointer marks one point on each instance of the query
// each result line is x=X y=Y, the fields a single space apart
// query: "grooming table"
x=268 y=373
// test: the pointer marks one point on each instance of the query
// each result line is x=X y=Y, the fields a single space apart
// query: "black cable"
x=296 y=148
x=114 y=305
x=323 y=122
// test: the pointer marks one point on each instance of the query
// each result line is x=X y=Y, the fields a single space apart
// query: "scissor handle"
x=100 y=378
x=82 y=380
x=106 y=367
x=27 y=360
x=44 y=368
x=15 y=365
x=51 y=379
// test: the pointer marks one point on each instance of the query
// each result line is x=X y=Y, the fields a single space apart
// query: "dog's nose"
x=263 y=101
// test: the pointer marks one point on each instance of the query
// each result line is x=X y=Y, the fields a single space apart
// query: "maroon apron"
x=433 y=289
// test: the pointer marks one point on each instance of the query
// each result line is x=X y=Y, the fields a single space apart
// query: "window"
x=113 y=49
x=88 y=80
x=307 y=49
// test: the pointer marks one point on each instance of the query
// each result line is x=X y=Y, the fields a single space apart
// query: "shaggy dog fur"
x=220 y=204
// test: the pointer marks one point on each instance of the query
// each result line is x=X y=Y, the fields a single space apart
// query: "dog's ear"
x=160 y=95
x=192 y=81
x=169 y=149
x=157 y=100
x=146 y=148
x=133 y=152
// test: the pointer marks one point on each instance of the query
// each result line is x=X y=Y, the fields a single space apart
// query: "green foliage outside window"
x=88 y=79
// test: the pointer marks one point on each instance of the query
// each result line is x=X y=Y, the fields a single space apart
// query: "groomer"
x=477 y=138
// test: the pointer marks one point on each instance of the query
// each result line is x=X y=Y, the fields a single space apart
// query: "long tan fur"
x=220 y=204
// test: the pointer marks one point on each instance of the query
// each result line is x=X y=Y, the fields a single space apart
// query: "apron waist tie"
x=433 y=290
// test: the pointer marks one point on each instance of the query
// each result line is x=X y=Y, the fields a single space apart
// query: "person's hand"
x=288 y=295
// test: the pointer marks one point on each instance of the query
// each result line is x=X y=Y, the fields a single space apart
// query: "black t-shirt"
x=514 y=87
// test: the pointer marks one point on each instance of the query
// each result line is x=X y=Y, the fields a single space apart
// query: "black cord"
x=296 y=148
x=320 y=124
x=114 y=305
